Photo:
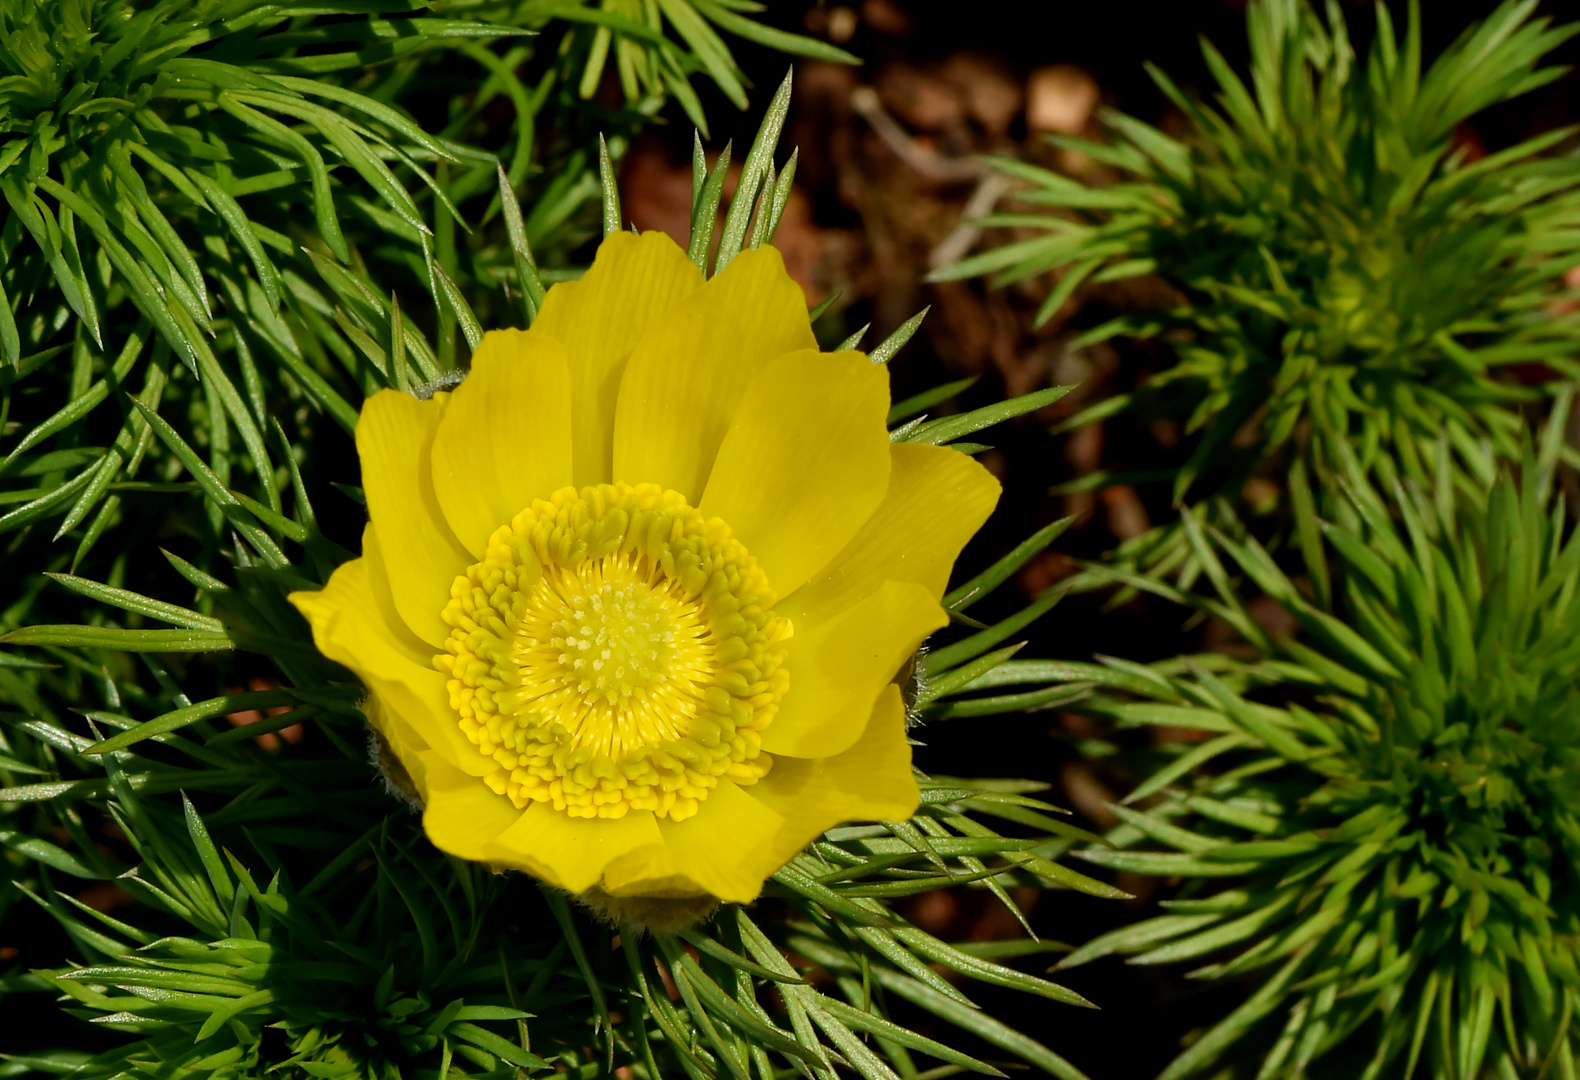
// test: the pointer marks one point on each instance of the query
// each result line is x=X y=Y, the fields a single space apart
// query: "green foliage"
x=1379 y=821
x=291 y=918
x=1346 y=277
x=392 y=957
x=648 y=64
x=209 y=207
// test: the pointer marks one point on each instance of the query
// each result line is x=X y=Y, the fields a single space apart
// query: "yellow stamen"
x=615 y=650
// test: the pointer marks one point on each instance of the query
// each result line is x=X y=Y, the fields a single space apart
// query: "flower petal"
x=838 y=667
x=384 y=600
x=725 y=850
x=632 y=281
x=805 y=462
x=401 y=736
x=348 y=628
x=463 y=816
x=937 y=499
x=571 y=852
x=872 y=781
x=687 y=377
x=422 y=556
x=505 y=438
x=420 y=765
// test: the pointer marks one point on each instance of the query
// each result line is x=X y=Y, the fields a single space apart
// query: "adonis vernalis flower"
x=634 y=594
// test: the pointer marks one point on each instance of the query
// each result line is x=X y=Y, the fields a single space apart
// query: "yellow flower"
x=634 y=595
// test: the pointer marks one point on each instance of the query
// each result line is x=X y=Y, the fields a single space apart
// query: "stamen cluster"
x=615 y=650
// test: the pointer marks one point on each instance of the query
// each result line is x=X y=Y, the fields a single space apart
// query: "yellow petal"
x=463 y=815
x=442 y=729
x=348 y=628
x=872 y=781
x=688 y=376
x=505 y=438
x=937 y=499
x=600 y=318
x=805 y=462
x=839 y=666
x=420 y=765
x=421 y=554
x=571 y=852
x=400 y=735
x=384 y=599
x=724 y=850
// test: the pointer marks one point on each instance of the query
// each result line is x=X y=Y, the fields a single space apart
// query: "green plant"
x=201 y=194
x=1378 y=819
x=649 y=65
x=1346 y=274
x=393 y=957
x=425 y=961
x=283 y=870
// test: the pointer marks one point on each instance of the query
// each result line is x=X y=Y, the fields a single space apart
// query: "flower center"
x=615 y=650
x=617 y=639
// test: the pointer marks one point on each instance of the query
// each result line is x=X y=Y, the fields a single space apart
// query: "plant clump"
x=1345 y=271
x=1378 y=818
x=394 y=958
